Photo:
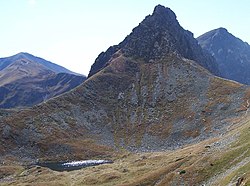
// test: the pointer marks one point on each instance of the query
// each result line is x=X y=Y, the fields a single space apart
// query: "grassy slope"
x=217 y=161
x=170 y=100
x=161 y=168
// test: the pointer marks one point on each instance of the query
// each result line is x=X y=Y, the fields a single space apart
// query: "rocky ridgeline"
x=157 y=36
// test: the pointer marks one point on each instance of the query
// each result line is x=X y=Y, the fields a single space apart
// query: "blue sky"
x=73 y=32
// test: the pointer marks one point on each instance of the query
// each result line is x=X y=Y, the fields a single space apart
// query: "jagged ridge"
x=157 y=36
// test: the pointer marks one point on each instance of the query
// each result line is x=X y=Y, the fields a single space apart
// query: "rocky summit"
x=155 y=91
x=231 y=53
x=157 y=36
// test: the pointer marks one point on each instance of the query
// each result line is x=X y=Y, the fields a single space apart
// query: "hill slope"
x=4 y=62
x=24 y=83
x=218 y=161
x=231 y=54
x=132 y=104
x=21 y=69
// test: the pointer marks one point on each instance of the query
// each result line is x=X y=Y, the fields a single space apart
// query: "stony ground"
x=216 y=161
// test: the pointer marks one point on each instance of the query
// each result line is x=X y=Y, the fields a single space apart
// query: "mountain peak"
x=162 y=11
x=152 y=38
x=222 y=30
x=26 y=80
x=215 y=33
x=21 y=55
x=156 y=37
x=230 y=52
x=4 y=62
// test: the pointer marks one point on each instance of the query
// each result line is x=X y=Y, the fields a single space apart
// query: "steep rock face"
x=231 y=53
x=156 y=36
x=133 y=102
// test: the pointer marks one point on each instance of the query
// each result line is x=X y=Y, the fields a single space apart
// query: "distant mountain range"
x=26 y=80
x=231 y=53
x=4 y=62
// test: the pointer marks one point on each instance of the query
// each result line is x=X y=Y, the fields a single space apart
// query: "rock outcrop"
x=157 y=36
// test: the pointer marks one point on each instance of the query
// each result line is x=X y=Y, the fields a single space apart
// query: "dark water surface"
x=74 y=165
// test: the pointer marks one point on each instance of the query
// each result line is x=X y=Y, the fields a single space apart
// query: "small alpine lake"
x=72 y=165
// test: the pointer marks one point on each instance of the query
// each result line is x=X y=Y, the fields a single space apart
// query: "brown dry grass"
x=8 y=170
x=129 y=169
x=198 y=162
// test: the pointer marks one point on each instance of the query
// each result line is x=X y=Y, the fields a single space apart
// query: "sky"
x=72 y=33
